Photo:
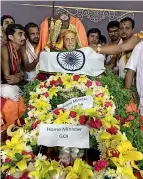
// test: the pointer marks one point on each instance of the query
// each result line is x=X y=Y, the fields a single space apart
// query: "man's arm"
x=5 y=61
x=28 y=66
x=132 y=66
x=129 y=78
x=116 y=49
x=111 y=63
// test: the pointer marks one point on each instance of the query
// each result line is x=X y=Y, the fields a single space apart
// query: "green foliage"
x=106 y=177
x=140 y=164
x=116 y=89
x=34 y=146
x=112 y=165
x=35 y=149
x=121 y=97
x=62 y=97
x=93 y=142
x=134 y=90
x=135 y=135
x=30 y=87
x=115 y=86
x=18 y=156
x=3 y=175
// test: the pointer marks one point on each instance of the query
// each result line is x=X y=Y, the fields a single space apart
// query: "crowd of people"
x=21 y=47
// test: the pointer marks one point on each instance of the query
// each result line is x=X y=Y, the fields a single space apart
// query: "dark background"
x=98 y=19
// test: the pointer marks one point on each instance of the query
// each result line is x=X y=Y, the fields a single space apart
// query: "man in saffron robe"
x=73 y=22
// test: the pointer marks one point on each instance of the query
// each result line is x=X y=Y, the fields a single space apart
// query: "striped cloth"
x=30 y=51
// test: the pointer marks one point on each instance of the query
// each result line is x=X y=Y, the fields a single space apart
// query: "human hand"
x=12 y=79
x=133 y=95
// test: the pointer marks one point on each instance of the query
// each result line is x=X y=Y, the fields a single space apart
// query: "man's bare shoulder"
x=4 y=53
x=4 y=48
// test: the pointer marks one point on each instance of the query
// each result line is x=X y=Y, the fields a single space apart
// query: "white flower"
x=31 y=113
x=113 y=174
x=27 y=148
x=48 y=121
x=60 y=175
x=41 y=90
x=3 y=154
x=41 y=157
x=18 y=174
x=33 y=134
x=73 y=121
x=31 y=167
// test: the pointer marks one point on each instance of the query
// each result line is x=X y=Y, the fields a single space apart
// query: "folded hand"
x=12 y=79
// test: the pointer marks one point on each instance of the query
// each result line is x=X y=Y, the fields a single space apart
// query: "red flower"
x=24 y=176
x=83 y=119
x=41 y=76
x=28 y=153
x=57 y=111
x=141 y=128
x=89 y=83
x=107 y=104
x=7 y=160
x=46 y=94
x=112 y=130
x=130 y=118
x=59 y=81
x=53 y=83
x=115 y=154
x=95 y=123
x=72 y=114
x=122 y=121
x=100 y=94
x=43 y=86
x=35 y=124
x=9 y=177
x=141 y=119
x=98 y=83
x=76 y=77
x=30 y=107
x=117 y=117
x=100 y=165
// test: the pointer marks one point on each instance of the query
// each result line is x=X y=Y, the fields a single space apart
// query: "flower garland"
x=114 y=146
